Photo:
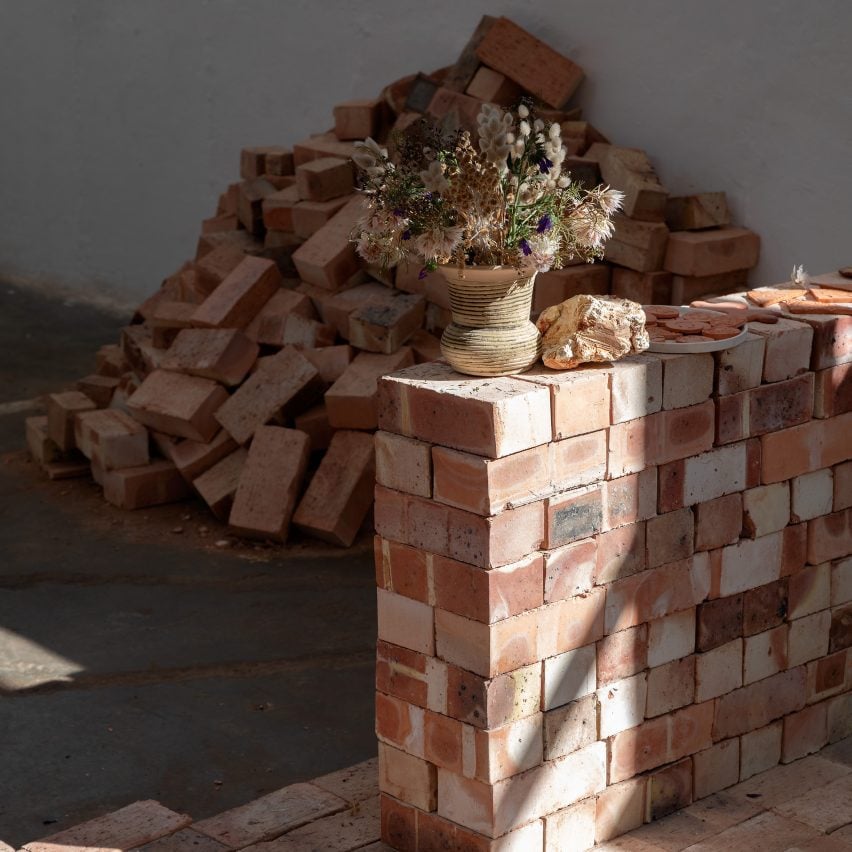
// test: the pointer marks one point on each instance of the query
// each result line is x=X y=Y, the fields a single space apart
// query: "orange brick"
x=99 y=389
x=629 y=170
x=352 y=399
x=404 y=464
x=178 y=405
x=711 y=252
x=643 y=287
x=147 y=485
x=530 y=63
x=640 y=246
x=218 y=484
x=278 y=208
x=621 y=552
x=833 y=392
x=830 y=537
x=223 y=355
x=244 y=291
x=192 y=458
x=250 y=195
x=341 y=491
x=215 y=266
x=718 y=522
x=407 y=778
x=488 y=595
x=623 y=654
x=788 y=348
x=328 y=258
x=662 y=740
x=832 y=344
x=385 y=326
x=337 y=308
x=62 y=409
x=284 y=384
x=669 y=790
x=358 y=119
x=324 y=178
x=570 y=570
x=400 y=724
x=805 y=732
x=494 y=88
x=268 y=324
x=398 y=824
x=111 y=439
x=331 y=362
x=403 y=569
x=270 y=482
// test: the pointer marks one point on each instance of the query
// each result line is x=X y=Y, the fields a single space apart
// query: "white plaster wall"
x=121 y=120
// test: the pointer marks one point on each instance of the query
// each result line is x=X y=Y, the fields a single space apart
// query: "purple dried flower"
x=544 y=224
x=422 y=274
x=525 y=247
x=406 y=235
x=399 y=212
x=545 y=165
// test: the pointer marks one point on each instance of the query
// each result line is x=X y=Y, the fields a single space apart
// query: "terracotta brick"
x=307 y=217
x=717 y=768
x=268 y=325
x=324 y=178
x=569 y=570
x=243 y=292
x=492 y=419
x=640 y=246
x=569 y=676
x=250 y=196
x=672 y=637
x=707 y=476
x=214 y=267
x=809 y=590
x=62 y=409
x=405 y=622
x=741 y=367
x=827 y=676
x=426 y=347
x=758 y=704
x=491 y=703
x=398 y=824
x=402 y=569
x=99 y=389
x=765 y=606
x=636 y=387
x=408 y=778
x=622 y=704
x=719 y=621
x=111 y=439
x=832 y=344
x=760 y=750
x=718 y=522
x=750 y=563
x=669 y=790
x=573 y=515
x=385 y=326
x=443 y=743
x=655 y=593
x=109 y=361
x=841 y=628
x=41 y=448
x=788 y=348
x=400 y=724
x=510 y=50
x=147 y=485
x=622 y=654
x=841 y=582
x=402 y=673
x=620 y=808
x=839 y=717
x=192 y=458
x=620 y=553
x=578 y=461
x=403 y=464
x=223 y=355
x=218 y=484
x=571 y=727
x=492 y=87
x=766 y=509
x=711 y=252
x=805 y=732
x=488 y=595
x=495 y=809
x=830 y=537
x=687 y=379
x=321 y=145
x=358 y=119
x=670 y=537
x=506 y=751
x=327 y=259
x=178 y=405
x=285 y=384
x=270 y=483
x=719 y=671
x=487 y=486
x=629 y=170
x=765 y=654
x=575 y=824
x=580 y=398
x=629 y=499
x=812 y=495
x=643 y=287
x=662 y=740
x=335 y=309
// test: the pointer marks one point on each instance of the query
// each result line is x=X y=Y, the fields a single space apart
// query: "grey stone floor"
x=137 y=662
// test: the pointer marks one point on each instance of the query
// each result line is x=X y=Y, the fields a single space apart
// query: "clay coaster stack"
x=666 y=324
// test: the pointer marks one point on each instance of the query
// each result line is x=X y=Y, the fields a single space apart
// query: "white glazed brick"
x=569 y=676
x=637 y=387
x=687 y=379
x=750 y=563
x=760 y=750
x=671 y=638
x=740 y=368
x=808 y=638
x=622 y=704
x=812 y=495
x=841 y=582
x=714 y=474
x=766 y=509
x=719 y=671
x=765 y=654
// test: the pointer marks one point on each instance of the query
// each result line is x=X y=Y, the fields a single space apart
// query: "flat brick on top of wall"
x=604 y=593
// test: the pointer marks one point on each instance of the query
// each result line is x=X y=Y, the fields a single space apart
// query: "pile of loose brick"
x=605 y=593
x=250 y=376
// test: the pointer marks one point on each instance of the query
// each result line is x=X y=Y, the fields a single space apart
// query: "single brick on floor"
x=111 y=439
x=62 y=409
x=147 y=485
x=41 y=448
x=270 y=482
x=178 y=405
x=341 y=491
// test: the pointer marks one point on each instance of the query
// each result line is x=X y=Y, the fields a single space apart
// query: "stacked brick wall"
x=609 y=592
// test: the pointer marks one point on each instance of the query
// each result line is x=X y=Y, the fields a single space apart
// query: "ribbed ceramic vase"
x=491 y=333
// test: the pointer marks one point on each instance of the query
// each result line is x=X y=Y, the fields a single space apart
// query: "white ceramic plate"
x=704 y=346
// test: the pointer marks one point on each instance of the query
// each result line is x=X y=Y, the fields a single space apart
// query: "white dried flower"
x=610 y=200
x=523 y=111
x=438 y=243
x=539 y=252
x=433 y=177
x=524 y=128
x=368 y=153
x=799 y=276
x=555 y=131
x=538 y=125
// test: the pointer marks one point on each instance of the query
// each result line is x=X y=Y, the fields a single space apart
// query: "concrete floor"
x=138 y=659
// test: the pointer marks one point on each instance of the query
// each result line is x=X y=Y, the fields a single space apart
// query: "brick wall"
x=608 y=592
